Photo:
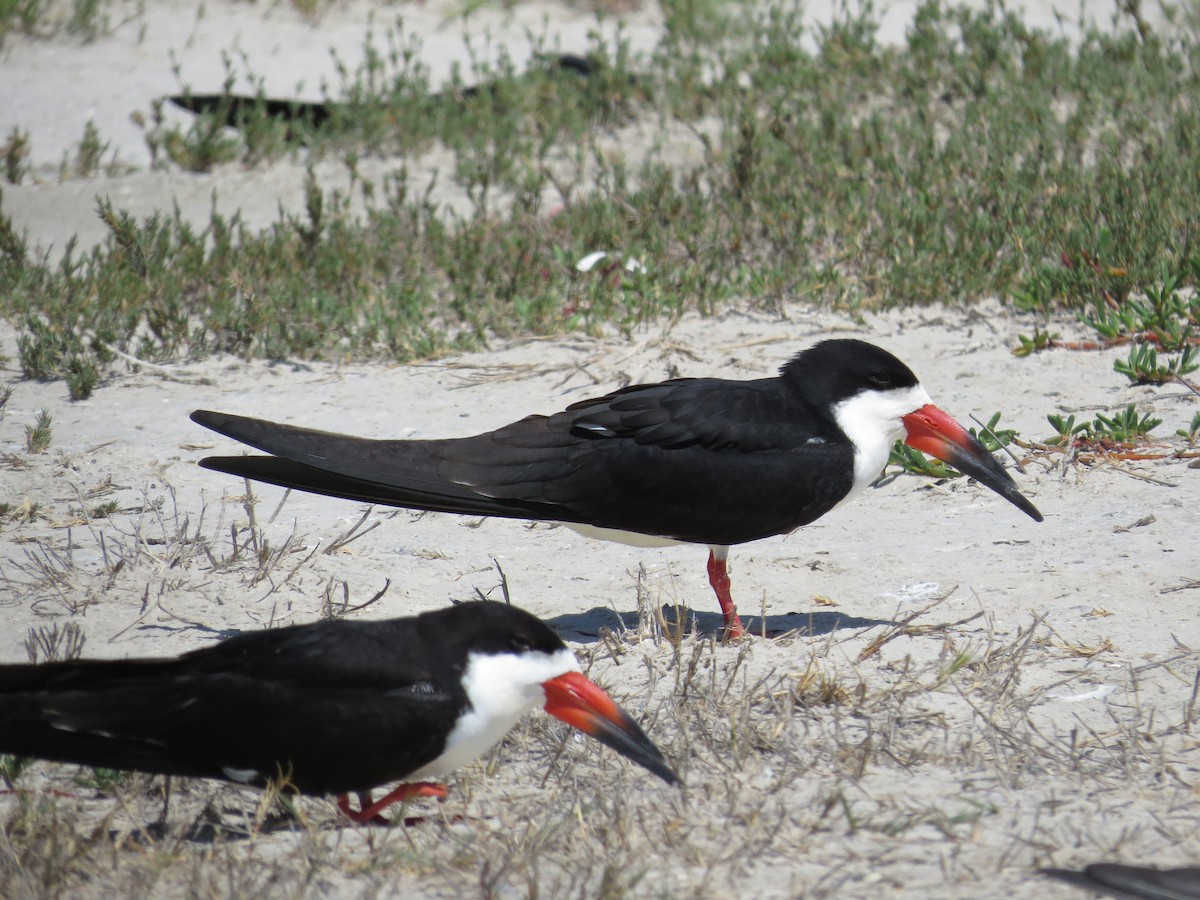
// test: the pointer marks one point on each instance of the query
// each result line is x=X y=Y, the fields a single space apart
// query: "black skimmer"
x=1133 y=882
x=329 y=708
x=694 y=460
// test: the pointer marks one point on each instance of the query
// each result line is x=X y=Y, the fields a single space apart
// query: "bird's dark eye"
x=520 y=644
x=880 y=379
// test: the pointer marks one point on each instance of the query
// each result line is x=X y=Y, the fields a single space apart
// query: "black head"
x=516 y=662
x=833 y=371
x=485 y=626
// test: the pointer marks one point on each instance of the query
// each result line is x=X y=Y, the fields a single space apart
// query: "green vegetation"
x=91 y=151
x=87 y=19
x=1192 y=430
x=39 y=434
x=11 y=768
x=19 y=15
x=105 y=781
x=980 y=159
x=1124 y=426
x=14 y=151
x=1162 y=319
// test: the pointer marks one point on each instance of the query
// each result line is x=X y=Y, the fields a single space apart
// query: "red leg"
x=718 y=577
x=364 y=801
x=368 y=812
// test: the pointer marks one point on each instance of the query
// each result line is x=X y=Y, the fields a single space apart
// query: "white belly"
x=632 y=538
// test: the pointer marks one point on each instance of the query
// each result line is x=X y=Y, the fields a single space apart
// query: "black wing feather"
x=316 y=703
x=698 y=460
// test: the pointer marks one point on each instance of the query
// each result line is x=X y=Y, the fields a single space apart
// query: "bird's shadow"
x=211 y=828
x=221 y=634
x=585 y=627
x=207 y=828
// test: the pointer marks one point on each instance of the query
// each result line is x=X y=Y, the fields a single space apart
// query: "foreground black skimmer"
x=696 y=460
x=1133 y=882
x=328 y=708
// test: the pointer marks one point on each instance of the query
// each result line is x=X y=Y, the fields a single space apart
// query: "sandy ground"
x=1103 y=572
x=907 y=540
x=1109 y=577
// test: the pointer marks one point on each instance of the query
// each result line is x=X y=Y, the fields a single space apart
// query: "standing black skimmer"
x=328 y=708
x=695 y=460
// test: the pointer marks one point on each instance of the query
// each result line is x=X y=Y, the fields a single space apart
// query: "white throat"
x=501 y=688
x=873 y=421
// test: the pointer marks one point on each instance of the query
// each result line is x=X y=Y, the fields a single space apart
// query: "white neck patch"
x=873 y=421
x=501 y=688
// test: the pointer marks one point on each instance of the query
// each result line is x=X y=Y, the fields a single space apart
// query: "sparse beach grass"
x=938 y=744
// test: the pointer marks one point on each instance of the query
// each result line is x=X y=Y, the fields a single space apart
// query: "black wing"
x=334 y=706
x=700 y=460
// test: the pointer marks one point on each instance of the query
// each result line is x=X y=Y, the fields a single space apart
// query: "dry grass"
x=932 y=757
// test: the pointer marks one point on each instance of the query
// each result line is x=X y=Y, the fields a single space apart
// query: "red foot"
x=719 y=579
x=368 y=812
